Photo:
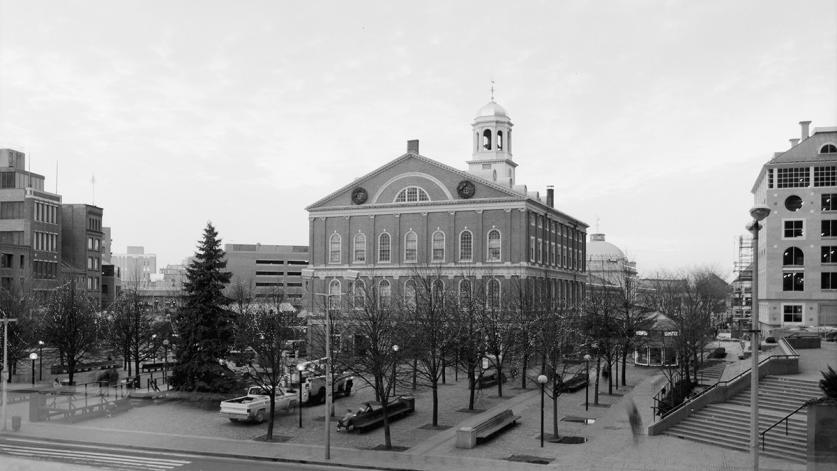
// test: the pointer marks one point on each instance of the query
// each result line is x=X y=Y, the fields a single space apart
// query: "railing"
x=783 y=419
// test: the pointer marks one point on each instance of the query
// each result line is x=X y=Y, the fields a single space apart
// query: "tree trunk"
x=387 y=436
x=523 y=369
x=272 y=415
x=624 y=361
x=415 y=372
x=555 y=395
x=499 y=379
x=71 y=369
x=435 y=404
x=443 y=368
x=610 y=375
x=472 y=385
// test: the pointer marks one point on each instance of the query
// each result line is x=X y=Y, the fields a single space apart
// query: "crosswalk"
x=92 y=458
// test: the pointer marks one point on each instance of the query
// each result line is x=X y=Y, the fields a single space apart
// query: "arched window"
x=412 y=194
x=410 y=294
x=384 y=248
x=464 y=292
x=438 y=293
x=384 y=294
x=438 y=246
x=494 y=245
x=499 y=140
x=486 y=139
x=493 y=293
x=410 y=247
x=828 y=149
x=466 y=246
x=334 y=248
x=334 y=294
x=360 y=248
x=359 y=294
x=793 y=256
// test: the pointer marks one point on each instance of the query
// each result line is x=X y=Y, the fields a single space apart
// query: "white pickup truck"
x=255 y=406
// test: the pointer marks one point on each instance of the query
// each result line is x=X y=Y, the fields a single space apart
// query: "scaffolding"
x=742 y=286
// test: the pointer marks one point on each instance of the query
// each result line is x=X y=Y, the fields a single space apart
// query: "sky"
x=651 y=118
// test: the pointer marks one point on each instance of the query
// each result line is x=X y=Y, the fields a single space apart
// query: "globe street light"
x=587 y=385
x=300 y=368
x=759 y=212
x=542 y=382
x=394 y=364
x=41 y=360
x=33 y=356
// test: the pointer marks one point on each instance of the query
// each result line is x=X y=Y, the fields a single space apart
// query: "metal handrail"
x=783 y=419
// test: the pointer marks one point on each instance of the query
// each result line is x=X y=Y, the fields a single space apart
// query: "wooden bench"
x=467 y=437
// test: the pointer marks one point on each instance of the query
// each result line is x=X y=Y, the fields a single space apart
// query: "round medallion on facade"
x=359 y=196
x=465 y=189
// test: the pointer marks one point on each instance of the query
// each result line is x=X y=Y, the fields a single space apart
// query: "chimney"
x=412 y=146
x=794 y=142
x=550 y=196
x=804 y=125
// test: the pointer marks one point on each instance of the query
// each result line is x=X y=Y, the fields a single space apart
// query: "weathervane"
x=492 y=90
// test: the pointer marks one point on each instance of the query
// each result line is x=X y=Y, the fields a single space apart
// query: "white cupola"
x=492 y=157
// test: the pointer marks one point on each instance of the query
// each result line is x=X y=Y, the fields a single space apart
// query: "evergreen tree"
x=205 y=326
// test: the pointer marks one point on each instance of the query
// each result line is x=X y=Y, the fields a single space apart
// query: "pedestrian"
x=635 y=420
x=56 y=384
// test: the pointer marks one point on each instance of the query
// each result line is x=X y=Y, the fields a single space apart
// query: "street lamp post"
x=33 y=356
x=40 y=360
x=165 y=362
x=300 y=368
x=394 y=364
x=587 y=385
x=542 y=382
x=758 y=213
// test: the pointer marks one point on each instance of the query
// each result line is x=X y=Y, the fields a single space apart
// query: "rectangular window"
x=829 y=228
x=11 y=210
x=360 y=249
x=829 y=254
x=770 y=178
x=269 y=262
x=384 y=249
x=540 y=251
x=792 y=312
x=269 y=273
x=793 y=281
x=264 y=284
x=799 y=177
x=829 y=202
x=825 y=176
x=794 y=228
x=531 y=248
x=829 y=280
x=11 y=237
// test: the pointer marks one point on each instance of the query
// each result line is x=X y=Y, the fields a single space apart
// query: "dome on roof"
x=492 y=109
x=598 y=249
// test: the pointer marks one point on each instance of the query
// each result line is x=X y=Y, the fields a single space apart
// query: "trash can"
x=15 y=423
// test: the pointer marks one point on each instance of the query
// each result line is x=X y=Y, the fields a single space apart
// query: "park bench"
x=467 y=437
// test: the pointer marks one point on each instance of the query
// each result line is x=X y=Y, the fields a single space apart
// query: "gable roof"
x=427 y=160
x=808 y=151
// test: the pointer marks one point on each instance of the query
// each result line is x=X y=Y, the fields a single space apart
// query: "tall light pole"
x=33 y=356
x=394 y=364
x=165 y=362
x=40 y=360
x=542 y=381
x=587 y=385
x=5 y=376
x=300 y=368
x=758 y=213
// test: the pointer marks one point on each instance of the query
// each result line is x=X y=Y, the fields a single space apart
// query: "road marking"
x=107 y=459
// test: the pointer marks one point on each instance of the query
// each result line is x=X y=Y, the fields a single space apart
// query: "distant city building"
x=30 y=228
x=797 y=247
x=173 y=277
x=135 y=266
x=111 y=284
x=107 y=246
x=81 y=247
x=269 y=272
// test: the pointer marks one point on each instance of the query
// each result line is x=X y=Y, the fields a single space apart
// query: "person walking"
x=635 y=421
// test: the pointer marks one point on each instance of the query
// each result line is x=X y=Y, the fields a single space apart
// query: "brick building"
x=269 y=272
x=475 y=228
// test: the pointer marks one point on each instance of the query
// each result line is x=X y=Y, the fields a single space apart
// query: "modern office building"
x=475 y=229
x=81 y=247
x=797 y=247
x=136 y=266
x=270 y=272
x=30 y=227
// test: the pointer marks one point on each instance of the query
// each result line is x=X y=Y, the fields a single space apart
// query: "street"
x=38 y=455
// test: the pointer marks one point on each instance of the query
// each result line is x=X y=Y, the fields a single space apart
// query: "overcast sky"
x=651 y=117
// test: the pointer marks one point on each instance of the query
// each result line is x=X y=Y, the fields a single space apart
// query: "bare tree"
x=70 y=324
x=21 y=334
x=500 y=326
x=600 y=324
x=466 y=329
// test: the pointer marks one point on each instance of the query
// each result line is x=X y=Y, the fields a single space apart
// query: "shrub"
x=110 y=376
x=675 y=396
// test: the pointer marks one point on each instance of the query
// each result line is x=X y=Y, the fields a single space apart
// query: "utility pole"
x=5 y=377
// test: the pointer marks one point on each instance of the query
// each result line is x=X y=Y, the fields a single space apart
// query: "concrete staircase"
x=727 y=424
x=712 y=374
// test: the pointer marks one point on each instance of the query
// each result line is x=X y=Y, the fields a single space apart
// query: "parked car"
x=314 y=382
x=255 y=406
x=371 y=414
